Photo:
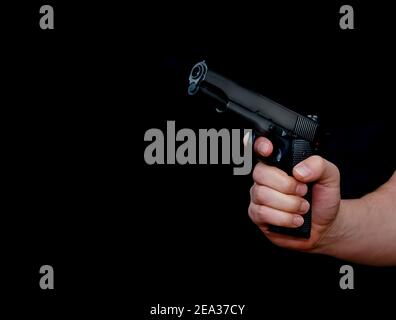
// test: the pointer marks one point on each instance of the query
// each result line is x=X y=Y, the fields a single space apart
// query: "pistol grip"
x=294 y=152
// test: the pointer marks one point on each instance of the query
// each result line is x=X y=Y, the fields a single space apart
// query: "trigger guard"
x=279 y=155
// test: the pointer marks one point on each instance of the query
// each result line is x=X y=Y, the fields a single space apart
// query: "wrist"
x=337 y=231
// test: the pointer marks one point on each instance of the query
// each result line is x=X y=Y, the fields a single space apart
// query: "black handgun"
x=295 y=137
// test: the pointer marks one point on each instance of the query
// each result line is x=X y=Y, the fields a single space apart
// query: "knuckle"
x=283 y=219
x=262 y=213
x=294 y=204
x=250 y=212
x=254 y=214
x=298 y=202
x=254 y=194
x=299 y=206
x=287 y=220
x=266 y=196
x=258 y=172
x=288 y=185
x=336 y=171
x=319 y=160
x=251 y=191
x=257 y=194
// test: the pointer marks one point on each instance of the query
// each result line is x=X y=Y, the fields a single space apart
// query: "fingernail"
x=298 y=220
x=304 y=206
x=263 y=148
x=301 y=189
x=302 y=170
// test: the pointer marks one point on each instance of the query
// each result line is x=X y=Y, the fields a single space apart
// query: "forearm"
x=365 y=229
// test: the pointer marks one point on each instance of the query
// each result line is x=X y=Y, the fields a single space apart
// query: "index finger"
x=263 y=146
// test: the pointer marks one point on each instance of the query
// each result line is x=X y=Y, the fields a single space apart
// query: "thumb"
x=317 y=169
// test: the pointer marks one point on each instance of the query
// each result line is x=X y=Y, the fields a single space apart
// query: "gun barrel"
x=228 y=90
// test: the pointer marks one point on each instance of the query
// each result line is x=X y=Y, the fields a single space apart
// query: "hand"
x=277 y=198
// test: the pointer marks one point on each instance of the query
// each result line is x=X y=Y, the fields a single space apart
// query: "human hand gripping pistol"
x=294 y=136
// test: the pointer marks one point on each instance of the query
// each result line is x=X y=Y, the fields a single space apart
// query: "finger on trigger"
x=263 y=146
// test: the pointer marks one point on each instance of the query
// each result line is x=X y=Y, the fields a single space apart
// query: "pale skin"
x=359 y=230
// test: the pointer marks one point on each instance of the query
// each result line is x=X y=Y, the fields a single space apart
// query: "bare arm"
x=365 y=229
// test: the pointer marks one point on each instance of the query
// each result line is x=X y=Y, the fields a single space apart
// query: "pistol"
x=295 y=137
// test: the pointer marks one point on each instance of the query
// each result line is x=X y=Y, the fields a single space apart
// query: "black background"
x=123 y=236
